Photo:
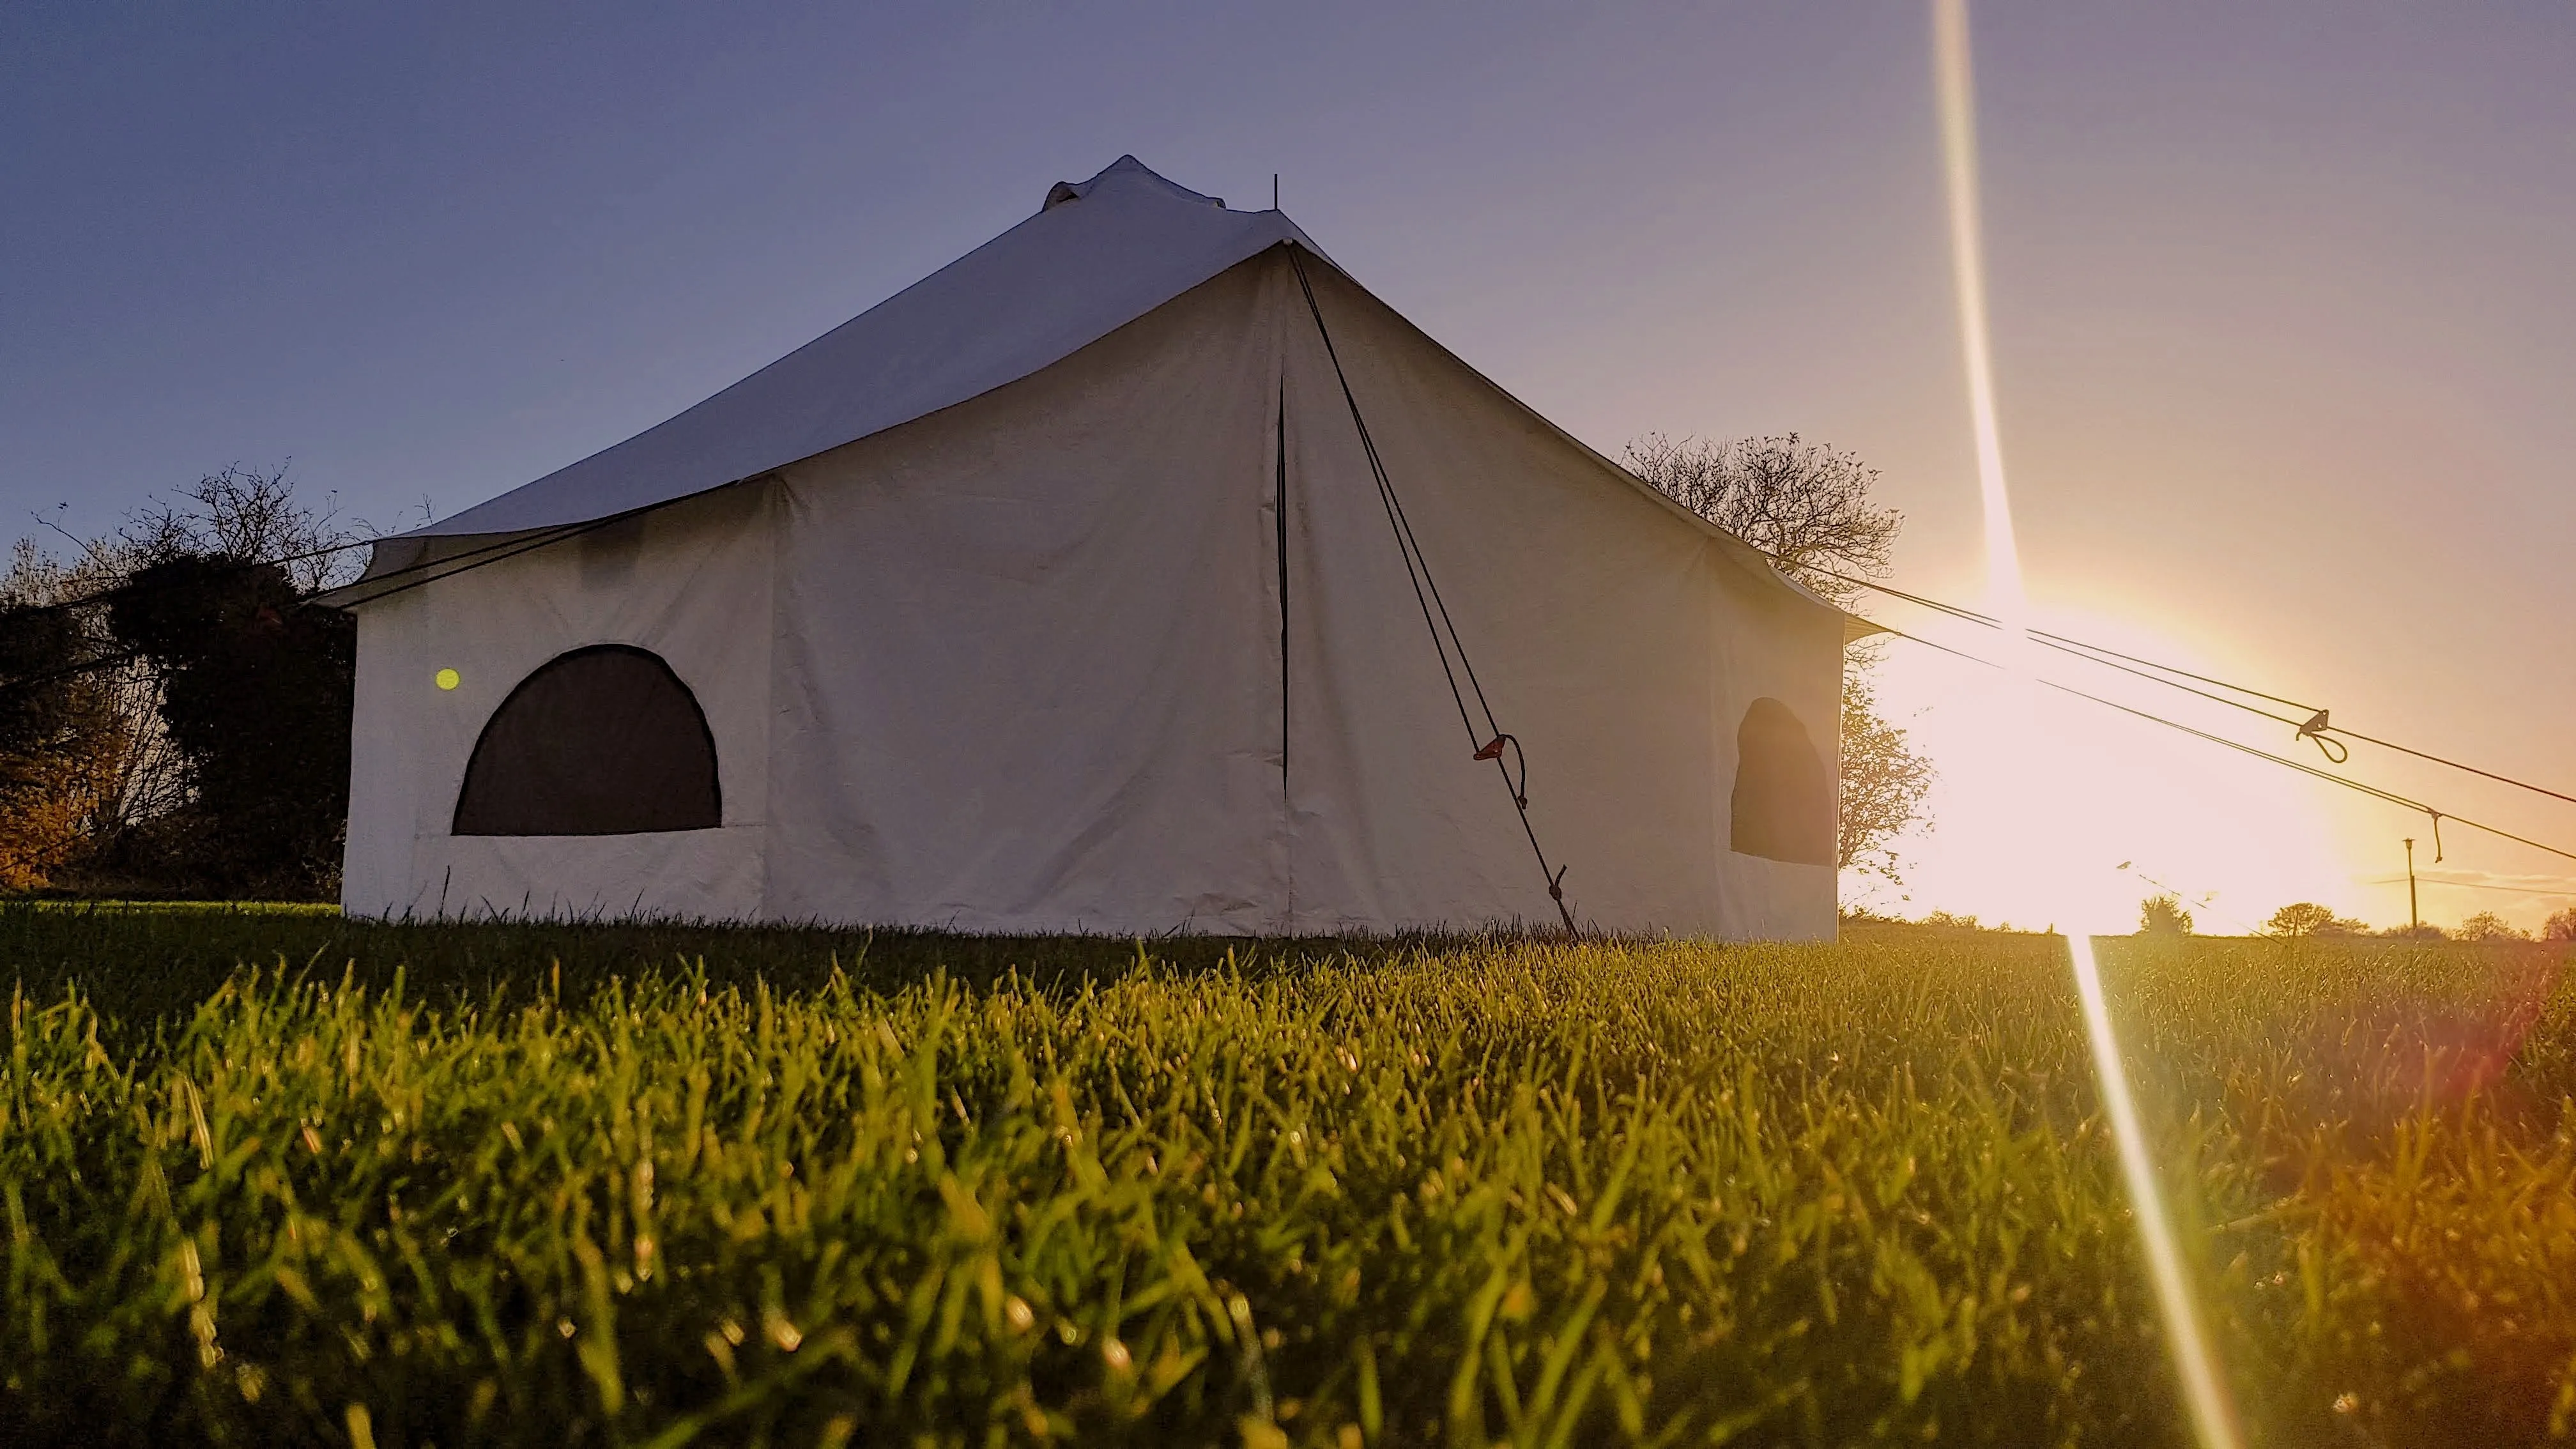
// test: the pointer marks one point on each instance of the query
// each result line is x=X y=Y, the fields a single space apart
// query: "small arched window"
x=1784 y=797
x=601 y=741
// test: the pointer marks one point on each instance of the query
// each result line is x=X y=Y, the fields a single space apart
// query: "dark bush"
x=256 y=697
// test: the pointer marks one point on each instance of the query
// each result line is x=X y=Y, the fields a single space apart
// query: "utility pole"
x=2414 y=918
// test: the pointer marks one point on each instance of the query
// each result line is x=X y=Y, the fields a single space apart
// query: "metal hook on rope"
x=1493 y=750
x=2335 y=750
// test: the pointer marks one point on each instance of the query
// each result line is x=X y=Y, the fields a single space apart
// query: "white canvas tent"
x=1059 y=592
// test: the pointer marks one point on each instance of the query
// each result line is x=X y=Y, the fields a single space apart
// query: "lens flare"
x=2213 y=1417
x=2211 y=1413
x=1968 y=274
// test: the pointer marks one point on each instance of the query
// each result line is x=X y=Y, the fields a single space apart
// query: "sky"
x=2284 y=328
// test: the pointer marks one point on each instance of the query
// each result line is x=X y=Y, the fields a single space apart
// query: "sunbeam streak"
x=1968 y=272
x=2213 y=1416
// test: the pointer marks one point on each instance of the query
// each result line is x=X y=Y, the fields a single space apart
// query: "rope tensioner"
x=2335 y=750
x=1435 y=614
x=1493 y=750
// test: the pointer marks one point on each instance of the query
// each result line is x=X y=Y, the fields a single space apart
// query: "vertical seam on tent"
x=1417 y=569
x=1721 y=706
x=779 y=515
x=1279 y=509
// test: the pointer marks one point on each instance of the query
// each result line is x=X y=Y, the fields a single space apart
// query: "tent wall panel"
x=1022 y=679
x=690 y=583
x=699 y=875
x=1618 y=643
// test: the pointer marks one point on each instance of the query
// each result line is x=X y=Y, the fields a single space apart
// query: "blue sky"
x=2283 y=320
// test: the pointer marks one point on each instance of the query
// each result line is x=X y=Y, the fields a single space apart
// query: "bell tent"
x=1136 y=572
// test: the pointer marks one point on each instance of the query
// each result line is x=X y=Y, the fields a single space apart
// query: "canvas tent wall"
x=1099 y=624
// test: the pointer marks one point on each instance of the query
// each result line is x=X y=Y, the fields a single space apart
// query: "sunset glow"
x=2233 y=836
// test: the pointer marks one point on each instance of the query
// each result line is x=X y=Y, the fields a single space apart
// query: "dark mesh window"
x=1784 y=799
x=601 y=741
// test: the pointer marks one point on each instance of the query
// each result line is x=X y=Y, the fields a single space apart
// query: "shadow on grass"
x=144 y=962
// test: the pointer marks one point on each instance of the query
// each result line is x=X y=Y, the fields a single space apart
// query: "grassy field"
x=278 y=1178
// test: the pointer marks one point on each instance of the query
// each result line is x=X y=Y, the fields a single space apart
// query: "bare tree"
x=2561 y=926
x=1808 y=506
x=1804 y=503
x=244 y=516
x=103 y=761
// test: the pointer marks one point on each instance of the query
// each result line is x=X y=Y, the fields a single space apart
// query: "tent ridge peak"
x=1058 y=281
x=1126 y=168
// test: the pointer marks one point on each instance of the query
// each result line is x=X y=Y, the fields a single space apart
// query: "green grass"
x=594 y=1185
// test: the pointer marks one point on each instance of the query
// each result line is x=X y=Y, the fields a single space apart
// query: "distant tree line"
x=174 y=711
x=2165 y=914
x=2307 y=918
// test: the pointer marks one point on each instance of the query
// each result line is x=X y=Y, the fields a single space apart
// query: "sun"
x=2053 y=810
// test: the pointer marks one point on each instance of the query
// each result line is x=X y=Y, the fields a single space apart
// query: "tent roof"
x=1098 y=255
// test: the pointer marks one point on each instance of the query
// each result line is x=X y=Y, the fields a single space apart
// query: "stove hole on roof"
x=601 y=741
x=1784 y=797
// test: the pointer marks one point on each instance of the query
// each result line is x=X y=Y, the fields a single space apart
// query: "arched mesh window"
x=1784 y=797
x=600 y=741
